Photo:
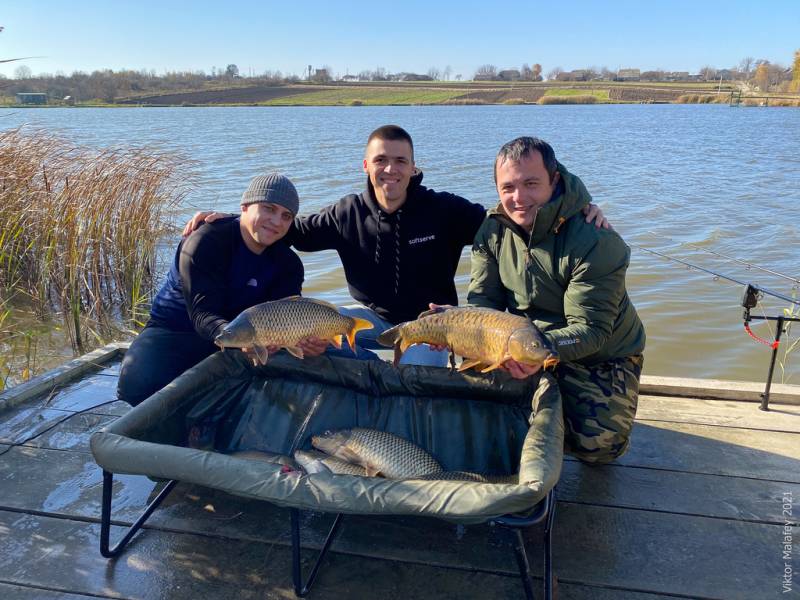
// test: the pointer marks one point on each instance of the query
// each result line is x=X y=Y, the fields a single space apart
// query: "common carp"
x=285 y=322
x=381 y=453
x=319 y=462
x=485 y=337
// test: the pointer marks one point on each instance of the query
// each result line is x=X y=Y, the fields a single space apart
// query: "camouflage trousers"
x=599 y=407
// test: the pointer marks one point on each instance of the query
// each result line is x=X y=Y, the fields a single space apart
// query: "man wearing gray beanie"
x=221 y=269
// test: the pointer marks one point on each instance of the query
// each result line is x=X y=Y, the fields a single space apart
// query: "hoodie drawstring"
x=395 y=225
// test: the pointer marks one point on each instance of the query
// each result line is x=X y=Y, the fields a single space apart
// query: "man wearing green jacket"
x=534 y=255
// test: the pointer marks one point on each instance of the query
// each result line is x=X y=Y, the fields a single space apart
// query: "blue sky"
x=398 y=36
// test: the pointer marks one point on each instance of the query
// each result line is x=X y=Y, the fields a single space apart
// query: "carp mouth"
x=550 y=362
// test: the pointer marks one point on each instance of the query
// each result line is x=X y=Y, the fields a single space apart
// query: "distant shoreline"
x=445 y=94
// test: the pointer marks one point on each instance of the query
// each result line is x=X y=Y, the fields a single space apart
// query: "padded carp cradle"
x=469 y=422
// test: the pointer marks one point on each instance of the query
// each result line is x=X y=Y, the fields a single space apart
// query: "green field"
x=600 y=94
x=353 y=96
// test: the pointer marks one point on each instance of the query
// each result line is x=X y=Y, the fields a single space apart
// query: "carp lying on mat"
x=379 y=452
x=485 y=337
x=285 y=322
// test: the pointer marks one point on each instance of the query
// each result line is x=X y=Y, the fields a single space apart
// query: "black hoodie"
x=395 y=263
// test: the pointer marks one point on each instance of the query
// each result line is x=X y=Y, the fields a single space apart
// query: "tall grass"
x=79 y=228
x=573 y=99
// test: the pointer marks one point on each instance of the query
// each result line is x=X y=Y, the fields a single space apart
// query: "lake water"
x=726 y=179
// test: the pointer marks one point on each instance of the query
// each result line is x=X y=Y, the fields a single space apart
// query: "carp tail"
x=358 y=325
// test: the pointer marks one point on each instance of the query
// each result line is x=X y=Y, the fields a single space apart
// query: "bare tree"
x=708 y=73
x=23 y=72
x=486 y=72
x=458 y=76
x=536 y=72
x=434 y=73
x=554 y=73
x=746 y=65
x=525 y=72
x=447 y=72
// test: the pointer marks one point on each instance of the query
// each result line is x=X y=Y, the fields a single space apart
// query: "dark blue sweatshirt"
x=214 y=277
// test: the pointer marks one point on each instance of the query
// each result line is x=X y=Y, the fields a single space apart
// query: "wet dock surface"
x=695 y=509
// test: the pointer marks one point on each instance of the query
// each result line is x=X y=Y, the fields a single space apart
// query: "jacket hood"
x=413 y=186
x=568 y=200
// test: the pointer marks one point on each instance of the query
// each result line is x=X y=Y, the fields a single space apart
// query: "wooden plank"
x=63 y=555
x=667 y=491
x=16 y=592
x=765 y=455
x=725 y=413
x=717 y=389
x=69 y=484
x=54 y=378
x=26 y=423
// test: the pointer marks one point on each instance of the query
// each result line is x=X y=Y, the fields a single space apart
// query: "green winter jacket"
x=567 y=276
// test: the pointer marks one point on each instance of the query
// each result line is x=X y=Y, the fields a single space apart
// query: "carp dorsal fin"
x=311 y=300
x=433 y=311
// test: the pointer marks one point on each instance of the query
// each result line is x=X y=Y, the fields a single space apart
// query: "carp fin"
x=398 y=354
x=492 y=367
x=469 y=363
x=336 y=341
x=373 y=472
x=433 y=311
x=295 y=351
x=390 y=337
x=261 y=355
x=358 y=325
x=310 y=300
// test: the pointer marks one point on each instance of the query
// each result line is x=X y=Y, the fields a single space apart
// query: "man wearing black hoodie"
x=399 y=241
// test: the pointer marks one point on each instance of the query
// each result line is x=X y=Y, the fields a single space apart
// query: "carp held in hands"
x=284 y=323
x=484 y=337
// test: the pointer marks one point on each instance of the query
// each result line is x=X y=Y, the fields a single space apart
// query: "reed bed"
x=573 y=99
x=79 y=230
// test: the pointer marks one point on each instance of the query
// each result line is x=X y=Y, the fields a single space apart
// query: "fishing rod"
x=749 y=265
x=717 y=275
x=752 y=294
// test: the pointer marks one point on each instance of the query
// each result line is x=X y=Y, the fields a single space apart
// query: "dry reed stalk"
x=79 y=228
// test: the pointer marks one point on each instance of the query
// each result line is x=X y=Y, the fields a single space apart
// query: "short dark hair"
x=391 y=132
x=525 y=146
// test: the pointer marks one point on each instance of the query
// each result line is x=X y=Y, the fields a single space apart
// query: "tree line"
x=108 y=85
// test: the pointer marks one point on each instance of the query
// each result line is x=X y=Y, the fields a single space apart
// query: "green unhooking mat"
x=467 y=421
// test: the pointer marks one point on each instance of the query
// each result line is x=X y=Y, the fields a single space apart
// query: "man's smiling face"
x=389 y=164
x=524 y=186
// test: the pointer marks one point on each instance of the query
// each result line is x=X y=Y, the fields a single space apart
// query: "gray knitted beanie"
x=274 y=188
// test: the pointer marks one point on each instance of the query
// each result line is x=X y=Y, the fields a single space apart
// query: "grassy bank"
x=78 y=234
x=434 y=93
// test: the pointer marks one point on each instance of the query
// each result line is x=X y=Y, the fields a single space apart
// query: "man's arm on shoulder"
x=485 y=287
x=203 y=270
x=591 y=302
x=465 y=218
x=319 y=231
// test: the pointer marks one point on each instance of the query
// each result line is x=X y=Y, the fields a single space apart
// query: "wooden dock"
x=699 y=507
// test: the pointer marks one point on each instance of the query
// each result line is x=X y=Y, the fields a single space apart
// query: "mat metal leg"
x=105 y=516
x=545 y=512
x=301 y=589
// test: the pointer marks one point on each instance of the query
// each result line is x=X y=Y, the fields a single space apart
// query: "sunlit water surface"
x=723 y=178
